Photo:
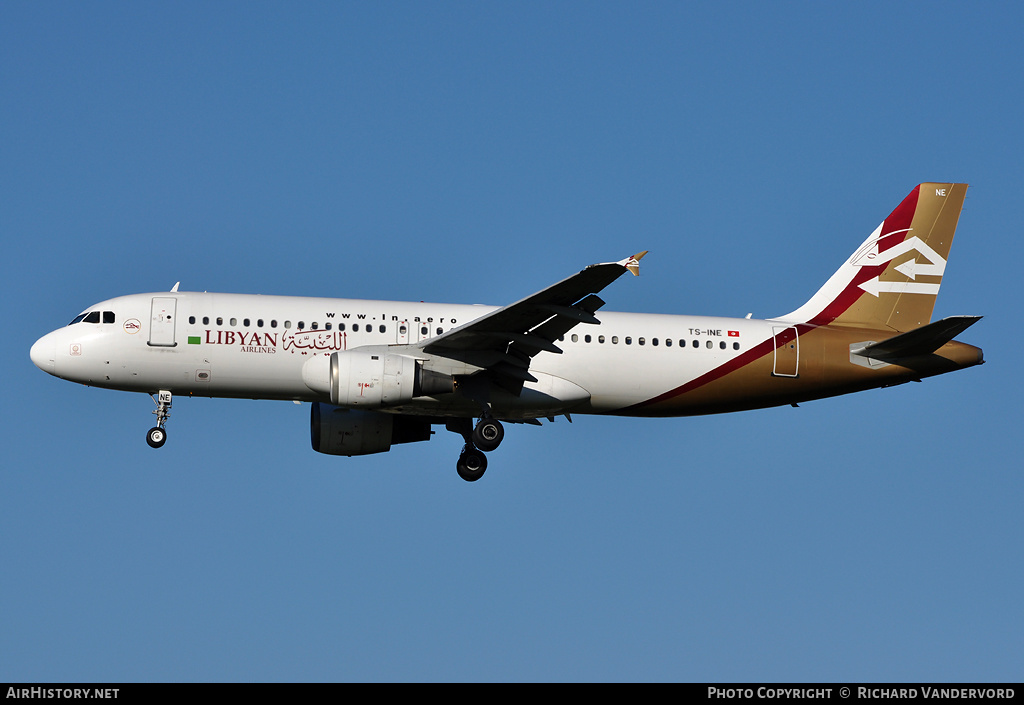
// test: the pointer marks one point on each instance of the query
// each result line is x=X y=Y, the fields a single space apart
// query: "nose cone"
x=44 y=353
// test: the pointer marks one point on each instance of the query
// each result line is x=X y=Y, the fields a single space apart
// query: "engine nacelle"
x=371 y=377
x=337 y=431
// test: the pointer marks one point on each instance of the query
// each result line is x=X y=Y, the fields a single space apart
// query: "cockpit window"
x=93 y=317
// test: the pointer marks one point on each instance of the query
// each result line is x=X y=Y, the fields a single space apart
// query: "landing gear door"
x=787 y=352
x=161 y=322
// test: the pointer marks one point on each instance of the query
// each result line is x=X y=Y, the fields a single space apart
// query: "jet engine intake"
x=371 y=377
x=338 y=431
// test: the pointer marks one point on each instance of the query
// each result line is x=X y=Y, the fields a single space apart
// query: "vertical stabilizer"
x=891 y=281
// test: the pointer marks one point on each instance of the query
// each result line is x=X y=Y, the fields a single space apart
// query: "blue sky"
x=477 y=152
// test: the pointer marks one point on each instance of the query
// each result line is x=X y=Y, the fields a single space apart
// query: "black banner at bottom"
x=838 y=692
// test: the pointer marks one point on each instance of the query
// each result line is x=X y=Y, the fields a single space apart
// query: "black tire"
x=488 y=435
x=472 y=464
x=156 y=437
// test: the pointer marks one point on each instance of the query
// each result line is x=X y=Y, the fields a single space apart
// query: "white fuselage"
x=250 y=346
x=277 y=347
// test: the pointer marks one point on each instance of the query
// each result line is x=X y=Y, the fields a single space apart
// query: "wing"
x=505 y=341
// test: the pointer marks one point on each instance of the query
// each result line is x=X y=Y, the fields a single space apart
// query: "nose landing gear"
x=157 y=436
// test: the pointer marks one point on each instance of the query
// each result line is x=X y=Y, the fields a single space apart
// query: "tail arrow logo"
x=911 y=269
x=876 y=287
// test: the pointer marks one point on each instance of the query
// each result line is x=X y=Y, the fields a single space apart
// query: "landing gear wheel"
x=472 y=464
x=156 y=437
x=488 y=434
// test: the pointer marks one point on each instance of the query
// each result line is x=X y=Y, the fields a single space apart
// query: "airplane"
x=382 y=373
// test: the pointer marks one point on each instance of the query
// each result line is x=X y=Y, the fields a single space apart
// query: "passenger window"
x=206 y=320
x=341 y=326
x=641 y=341
x=220 y=321
x=328 y=325
x=233 y=322
x=586 y=338
x=287 y=324
x=383 y=329
x=300 y=326
x=600 y=338
x=615 y=340
x=424 y=330
x=439 y=330
x=735 y=346
x=696 y=344
x=629 y=341
x=273 y=323
x=402 y=330
x=259 y=322
x=710 y=345
x=314 y=325
x=654 y=341
x=682 y=343
x=355 y=327
x=668 y=342
x=722 y=345
x=575 y=338
x=191 y=320
x=245 y=322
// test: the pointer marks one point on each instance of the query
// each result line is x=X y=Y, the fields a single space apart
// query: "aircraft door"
x=161 y=321
x=787 y=351
x=402 y=333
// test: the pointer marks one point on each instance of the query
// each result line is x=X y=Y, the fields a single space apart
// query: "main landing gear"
x=157 y=436
x=486 y=436
x=472 y=463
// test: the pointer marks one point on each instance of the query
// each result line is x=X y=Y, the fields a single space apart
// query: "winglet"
x=633 y=263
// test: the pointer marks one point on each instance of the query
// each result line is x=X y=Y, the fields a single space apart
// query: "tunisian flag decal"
x=734 y=334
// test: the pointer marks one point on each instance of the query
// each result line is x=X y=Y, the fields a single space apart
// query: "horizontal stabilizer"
x=920 y=341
